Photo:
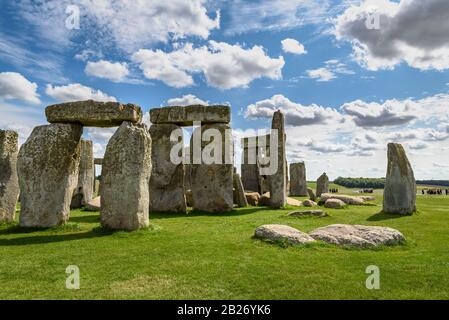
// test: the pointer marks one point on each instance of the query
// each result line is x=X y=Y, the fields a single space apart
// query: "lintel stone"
x=91 y=113
x=185 y=116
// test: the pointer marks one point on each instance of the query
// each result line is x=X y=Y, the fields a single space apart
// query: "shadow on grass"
x=380 y=216
x=196 y=213
x=49 y=238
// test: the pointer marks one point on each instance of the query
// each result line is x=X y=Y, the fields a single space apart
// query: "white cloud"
x=410 y=31
x=293 y=46
x=14 y=86
x=186 y=100
x=114 y=71
x=127 y=25
x=330 y=71
x=76 y=92
x=224 y=66
x=295 y=114
x=321 y=74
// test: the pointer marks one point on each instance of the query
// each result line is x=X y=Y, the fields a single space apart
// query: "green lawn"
x=202 y=256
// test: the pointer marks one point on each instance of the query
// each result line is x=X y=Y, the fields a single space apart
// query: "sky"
x=350 y=75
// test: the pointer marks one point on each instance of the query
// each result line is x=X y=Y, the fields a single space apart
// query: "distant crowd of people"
x=333 y=190
x=435 y=191
x=366 y=191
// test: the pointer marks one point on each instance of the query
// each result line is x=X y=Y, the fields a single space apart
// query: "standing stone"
x=312 y=195
x=240 y=197
x=48 y=166
x=167 y=178
x=278 y=181
x=83 y=192
x=212 y=184
x=125 y=178
x=322 y=185
x=298 y=183
x=400 y=184
x=9 y=183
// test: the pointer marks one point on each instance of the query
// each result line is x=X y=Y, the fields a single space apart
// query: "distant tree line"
x=379 y=183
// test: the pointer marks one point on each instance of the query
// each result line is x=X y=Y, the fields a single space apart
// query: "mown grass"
x=206 y=256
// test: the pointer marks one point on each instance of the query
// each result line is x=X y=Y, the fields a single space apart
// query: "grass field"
x=204 y=256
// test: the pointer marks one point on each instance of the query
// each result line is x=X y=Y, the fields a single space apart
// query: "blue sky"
x=346 y=89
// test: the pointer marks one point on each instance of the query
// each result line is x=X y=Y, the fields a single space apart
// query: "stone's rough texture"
x=48 y=166
x=9 y=183
x=264 y=200
x=334 y=204
x=252 y=198
x=317 y=213
x=98 y=161
x=239 y=192
x=250 y=177
x=185 y=116
x=400 y=184
x=189 y=198
x=359 y=236
x=93 y=113
x=312 y=195
x=322 y=185
x=278 y=183
x=187 y=176
x=298 y=183
x=280 y=233
x=83 y=192
x=309 y=203
x=212 y=184
x=125 y=179
x=355 y=201
x=293 y=202
x=94 y=204
x=167 y=178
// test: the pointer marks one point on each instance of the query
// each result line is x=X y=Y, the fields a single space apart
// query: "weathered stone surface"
x=9 y=182
x=83 y=192
x=240 y=199
x=309 y=203
x=293 y=202
x=334 y=204
x=94 y=204
x=91 y=113
x=312 y=195
x=250 y=176
x=400 y=184
x=252 y=198
x=317 y=213
x=356 y=235
x=185 y=116
x=368 y=198
x=264 y=200
x=98 y=161
x=322 y=185
x=189 y=198
x=280 y=233
x=125 y=178
x=167 y=178
x=298 y=183
x=355 y=201
x=212 y=184
x=48 y=166
x=278 y=183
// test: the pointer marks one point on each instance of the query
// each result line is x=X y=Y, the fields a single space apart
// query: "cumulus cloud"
x=329 y=72
x=76 y=92
x=128 y=25
x=414 y=31
x=223 y=65
x=186 y=100
x=114 y=71
x=295 y=114
x=293 y=46
x=390 y=113
x=14 y=86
